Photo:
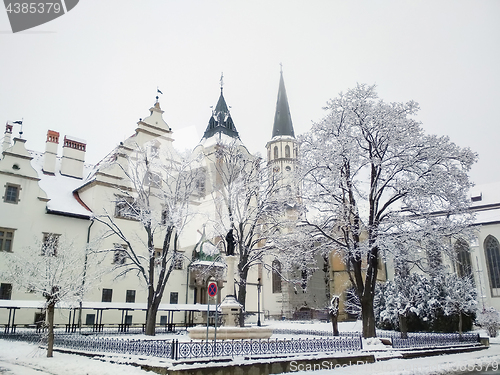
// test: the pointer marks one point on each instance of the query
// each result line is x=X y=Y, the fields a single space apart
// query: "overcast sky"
x=93 y=72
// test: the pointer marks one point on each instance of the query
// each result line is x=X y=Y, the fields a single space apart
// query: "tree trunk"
x=242 y=296
x=50 y=321
x=151 y=320
x=403 y=326
x=368 y=317
x=335 y=324
x=460 y=321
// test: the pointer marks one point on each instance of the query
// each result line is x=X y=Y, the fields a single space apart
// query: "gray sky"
x=93 y=72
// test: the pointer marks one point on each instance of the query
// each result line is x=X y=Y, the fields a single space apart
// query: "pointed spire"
x=221 y=121
x=282 y=118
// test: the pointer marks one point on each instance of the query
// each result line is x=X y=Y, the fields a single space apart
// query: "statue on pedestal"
x=230 y=243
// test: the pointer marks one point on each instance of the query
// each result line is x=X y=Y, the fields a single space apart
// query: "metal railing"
x=176 y=349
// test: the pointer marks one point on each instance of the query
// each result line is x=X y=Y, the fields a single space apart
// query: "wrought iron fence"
x=430 y=340
x=235 y=348
x=176 y=349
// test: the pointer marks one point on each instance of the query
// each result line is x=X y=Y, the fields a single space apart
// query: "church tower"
x=282 y=149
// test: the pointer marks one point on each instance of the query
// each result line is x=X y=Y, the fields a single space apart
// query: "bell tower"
x=282 y=149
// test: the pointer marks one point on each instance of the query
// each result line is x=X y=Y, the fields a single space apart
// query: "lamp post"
x=258 y=301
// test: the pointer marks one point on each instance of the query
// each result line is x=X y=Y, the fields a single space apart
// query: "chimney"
x=49 y=158
x=73 y=156
x=7 y=137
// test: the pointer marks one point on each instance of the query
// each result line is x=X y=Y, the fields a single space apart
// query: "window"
x=200 y=185
x=128 y=319
x=5 y=291
x=492 y=250
x=6 y=238
x=158 y=253
x=287 y=151
x=174 y=298
x=152 y=179
x=125 y=208
x=276 y=152
x=164 y=215
x=50 y=244
x=276 y=276
x=107 y=295
x=120 y=254
x=463 y=258
x=39 y=318
x=90 y=319
x=130 y=298
x=178 y=262
x=11 y=193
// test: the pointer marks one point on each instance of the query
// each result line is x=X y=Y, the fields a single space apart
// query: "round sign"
x=212 y=289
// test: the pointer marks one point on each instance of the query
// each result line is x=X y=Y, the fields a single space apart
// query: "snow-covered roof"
x=219 y=138
x=486 y=193
x=59 y=188
x=75 y=139
x=207 y=263
x=486 y=202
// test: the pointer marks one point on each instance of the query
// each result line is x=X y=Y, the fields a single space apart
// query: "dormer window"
x=476 y=197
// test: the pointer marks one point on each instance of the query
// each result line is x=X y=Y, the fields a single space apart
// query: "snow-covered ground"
x=18 y=358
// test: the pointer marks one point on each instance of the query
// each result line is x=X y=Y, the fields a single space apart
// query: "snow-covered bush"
x=489 y=319
x=442 y=303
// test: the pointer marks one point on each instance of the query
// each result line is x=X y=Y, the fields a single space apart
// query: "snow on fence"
x=175 y=349
x=434 y=340
x=181 y=350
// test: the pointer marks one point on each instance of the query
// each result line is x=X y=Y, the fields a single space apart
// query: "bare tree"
x=54 y=270
x=157 y=193
x=370 y=172
x=247 y=202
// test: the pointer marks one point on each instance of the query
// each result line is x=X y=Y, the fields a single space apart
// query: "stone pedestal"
x=231 y=311
x=230 y=308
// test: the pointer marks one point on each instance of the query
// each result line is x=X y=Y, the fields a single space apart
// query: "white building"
x=48 y=196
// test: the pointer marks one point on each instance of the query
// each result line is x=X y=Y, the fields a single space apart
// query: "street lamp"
x=258 y=301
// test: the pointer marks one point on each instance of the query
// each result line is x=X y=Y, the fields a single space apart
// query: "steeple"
x=282 y=118
x=221 y=121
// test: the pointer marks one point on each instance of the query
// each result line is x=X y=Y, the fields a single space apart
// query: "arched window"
x=276 y=276
x=276 y=152
x=464 y=266
x=492 y=250
x=287 y=151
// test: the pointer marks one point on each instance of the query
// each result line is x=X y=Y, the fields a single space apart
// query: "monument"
x=230 y=309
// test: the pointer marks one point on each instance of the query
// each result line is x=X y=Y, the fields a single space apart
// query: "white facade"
x=61 y=195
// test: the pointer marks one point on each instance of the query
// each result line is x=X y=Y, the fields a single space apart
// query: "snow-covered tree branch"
x=157 y=191
x=370 y=174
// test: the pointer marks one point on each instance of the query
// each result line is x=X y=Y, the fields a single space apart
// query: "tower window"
x=276 y=152
x=287 y=151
